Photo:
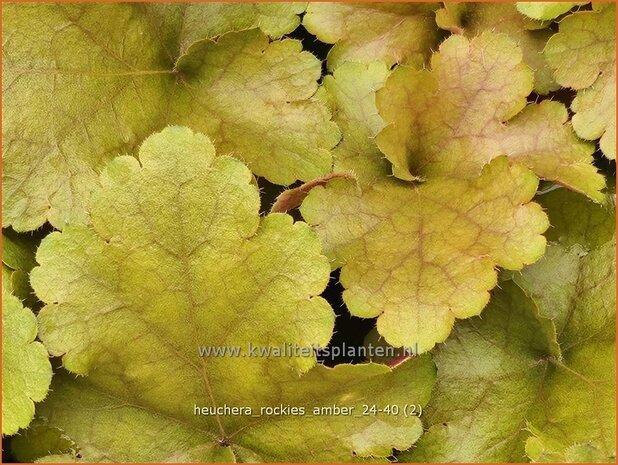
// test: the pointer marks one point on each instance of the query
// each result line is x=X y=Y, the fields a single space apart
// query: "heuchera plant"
x=183 y=175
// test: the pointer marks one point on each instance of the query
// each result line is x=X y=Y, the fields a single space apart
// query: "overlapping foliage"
x=456 y=168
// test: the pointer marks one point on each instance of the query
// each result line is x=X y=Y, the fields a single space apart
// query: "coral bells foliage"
x=185 y=182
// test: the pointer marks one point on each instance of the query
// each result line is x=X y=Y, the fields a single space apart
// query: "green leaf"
x=546 y=10
x=186 y=438
x=579 y=256
x=470 y=108
x=136 y=73
x=48 y=441
x=581 y=299
x=26 y=371
x=178 y=257
x=17 y=283
x=583 y=56
x=516 y=378
x=490 y=373
x=368 y=32
x=575 y=221
x=472 y=19
x=418 y=257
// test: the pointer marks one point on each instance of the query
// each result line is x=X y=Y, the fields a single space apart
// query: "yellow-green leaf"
x=420 y=257
x=366 y=32
x=472 y=19
x=18 y=250
x=350 y=93
x=177 y=258
x=546 y=10
x=536 y=374
x=120 y=431
x=583 y=56
x=26 y=371
x=470 y=108
x=84 y=83
x=57 y=458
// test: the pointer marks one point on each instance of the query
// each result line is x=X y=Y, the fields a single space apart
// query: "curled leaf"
x=292 y=198
x=470 y=108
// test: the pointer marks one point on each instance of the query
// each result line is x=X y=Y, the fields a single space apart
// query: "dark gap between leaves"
x=349 y=330
x=311 y=44
x=603 y=164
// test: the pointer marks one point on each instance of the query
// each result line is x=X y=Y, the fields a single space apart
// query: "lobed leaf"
x=536 y=375
x=469 y=109
x=136 y=72
x=583 y=56
x=367 y=32
x=306 y=438
x=48 y=441
x=18 y=251
x=178 y=257
x=420 y=257
x=183 y=24
x=350 y=93
x=26 y=371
